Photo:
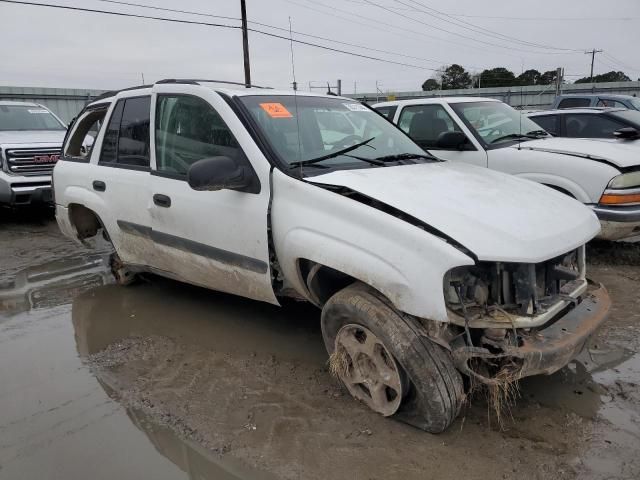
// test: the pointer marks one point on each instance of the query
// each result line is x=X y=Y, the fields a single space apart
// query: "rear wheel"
x=385 y=360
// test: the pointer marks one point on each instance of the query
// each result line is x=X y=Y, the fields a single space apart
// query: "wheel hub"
x=370 y=373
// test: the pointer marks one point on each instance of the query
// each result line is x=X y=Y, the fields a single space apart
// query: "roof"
x=424 y=101
x=562 y=111
x=213 y=85
x=28 y=104
x=599 y=95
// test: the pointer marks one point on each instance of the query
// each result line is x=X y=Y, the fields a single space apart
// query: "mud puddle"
x=166 y=381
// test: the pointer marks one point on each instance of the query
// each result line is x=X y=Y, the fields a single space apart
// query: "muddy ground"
x=167 y=381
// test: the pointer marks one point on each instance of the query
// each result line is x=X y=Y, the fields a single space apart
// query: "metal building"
x=64 y=102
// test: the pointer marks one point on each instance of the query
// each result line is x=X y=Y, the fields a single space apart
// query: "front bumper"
x=25 y=190
x=546 y=350
x=618 y=223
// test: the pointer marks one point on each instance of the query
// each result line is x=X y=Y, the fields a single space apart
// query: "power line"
x=235 y=27
x=448 y=31
x=614 y=59
x=475 y=28
x=202 y=14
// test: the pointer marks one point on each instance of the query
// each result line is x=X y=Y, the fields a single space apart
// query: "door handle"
x=162 y=200
x=99 y=186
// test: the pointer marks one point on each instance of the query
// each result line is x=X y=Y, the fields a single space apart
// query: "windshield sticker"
x=276 y=110
x=356 y=107
x=41 y=110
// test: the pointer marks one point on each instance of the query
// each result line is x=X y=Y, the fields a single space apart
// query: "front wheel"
x=384 y=360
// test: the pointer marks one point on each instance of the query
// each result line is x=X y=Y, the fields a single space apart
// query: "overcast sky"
x=60 y=48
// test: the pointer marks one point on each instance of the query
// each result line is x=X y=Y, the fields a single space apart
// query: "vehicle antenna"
x=295 y=95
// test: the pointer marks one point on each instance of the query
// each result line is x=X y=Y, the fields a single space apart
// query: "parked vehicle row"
x=427 y=271
x=486 y=132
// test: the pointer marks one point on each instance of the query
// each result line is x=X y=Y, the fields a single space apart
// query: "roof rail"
x=192 y=81
x=113 y=93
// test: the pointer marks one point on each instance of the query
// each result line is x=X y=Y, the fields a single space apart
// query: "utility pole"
x=245 y=44
x=593 y=58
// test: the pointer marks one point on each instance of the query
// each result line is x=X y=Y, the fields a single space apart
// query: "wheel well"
x=560 y=189
x=322 y=281
x=86 y=221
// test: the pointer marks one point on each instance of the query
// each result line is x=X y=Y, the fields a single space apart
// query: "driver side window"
x=188 y=129
x=425 y=123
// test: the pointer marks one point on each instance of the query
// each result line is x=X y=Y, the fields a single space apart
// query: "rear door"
x=216 y=239
x=121 y=179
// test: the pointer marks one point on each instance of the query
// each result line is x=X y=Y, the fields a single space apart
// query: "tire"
x=433 y=392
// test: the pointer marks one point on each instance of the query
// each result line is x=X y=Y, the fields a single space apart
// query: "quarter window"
x=188 y=129
x=126 y=141
x=425 y=123
x=387 y=112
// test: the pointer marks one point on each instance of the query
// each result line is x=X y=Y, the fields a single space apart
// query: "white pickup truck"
x=30 y=141
x=426 y=271
x=489 y=133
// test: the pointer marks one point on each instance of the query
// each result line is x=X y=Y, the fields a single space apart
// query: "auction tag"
x=40 y=110
x=356 y=107
x=276 y=110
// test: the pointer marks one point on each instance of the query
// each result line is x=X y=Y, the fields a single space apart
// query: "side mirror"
x=217 y=173
x=451 y=140
x=627 y=133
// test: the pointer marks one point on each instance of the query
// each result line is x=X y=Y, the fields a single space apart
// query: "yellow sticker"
x=276 y=110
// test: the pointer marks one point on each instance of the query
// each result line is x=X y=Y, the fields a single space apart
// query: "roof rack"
x=193 y=81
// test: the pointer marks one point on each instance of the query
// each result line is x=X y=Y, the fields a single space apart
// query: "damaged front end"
x=519 y=319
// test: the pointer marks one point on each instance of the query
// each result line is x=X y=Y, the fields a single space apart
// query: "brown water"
x=166 y=381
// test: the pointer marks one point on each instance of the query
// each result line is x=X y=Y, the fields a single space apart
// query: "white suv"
x=30 y=140
x=488 y=133
x=425 y=270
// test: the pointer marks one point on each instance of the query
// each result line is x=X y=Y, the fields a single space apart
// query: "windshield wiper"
x=406 y=156
x=538 y=133
x=515 y=135
x=311 y=161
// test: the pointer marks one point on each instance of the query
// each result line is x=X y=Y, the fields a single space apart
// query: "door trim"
x=196 y=248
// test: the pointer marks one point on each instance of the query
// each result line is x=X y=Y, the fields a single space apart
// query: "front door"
x=425 y=123
x=216 y=239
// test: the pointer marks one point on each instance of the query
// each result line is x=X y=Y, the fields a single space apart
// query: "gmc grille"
x=32 y=161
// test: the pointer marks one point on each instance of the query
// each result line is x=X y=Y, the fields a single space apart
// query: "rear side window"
x=387 y=112
x=548 y=123
x=126 y=141
x=574 y=103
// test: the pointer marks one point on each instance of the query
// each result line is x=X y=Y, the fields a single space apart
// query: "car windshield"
x=27 y=117
x=629 y=116
x=328 y=132
x=496 y=122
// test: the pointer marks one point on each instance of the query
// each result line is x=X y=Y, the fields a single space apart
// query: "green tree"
x=455 y=76
x=497 y=77
x=611 y=76
x=430 y=84
x=548 y=77
x=529 y=77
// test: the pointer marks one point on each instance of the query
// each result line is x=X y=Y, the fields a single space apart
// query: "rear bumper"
x=618 y=223
x=548 y=350
x=17 y=191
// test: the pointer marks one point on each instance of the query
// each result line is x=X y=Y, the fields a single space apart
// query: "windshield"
x=26 y=117
x=496 y=122
x=335 y=132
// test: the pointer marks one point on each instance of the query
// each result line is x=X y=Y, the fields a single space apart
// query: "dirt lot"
x=166 y=381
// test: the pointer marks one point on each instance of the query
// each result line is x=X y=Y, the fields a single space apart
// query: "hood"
x=623 y=154
x=496 y=216
x=31 y=137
